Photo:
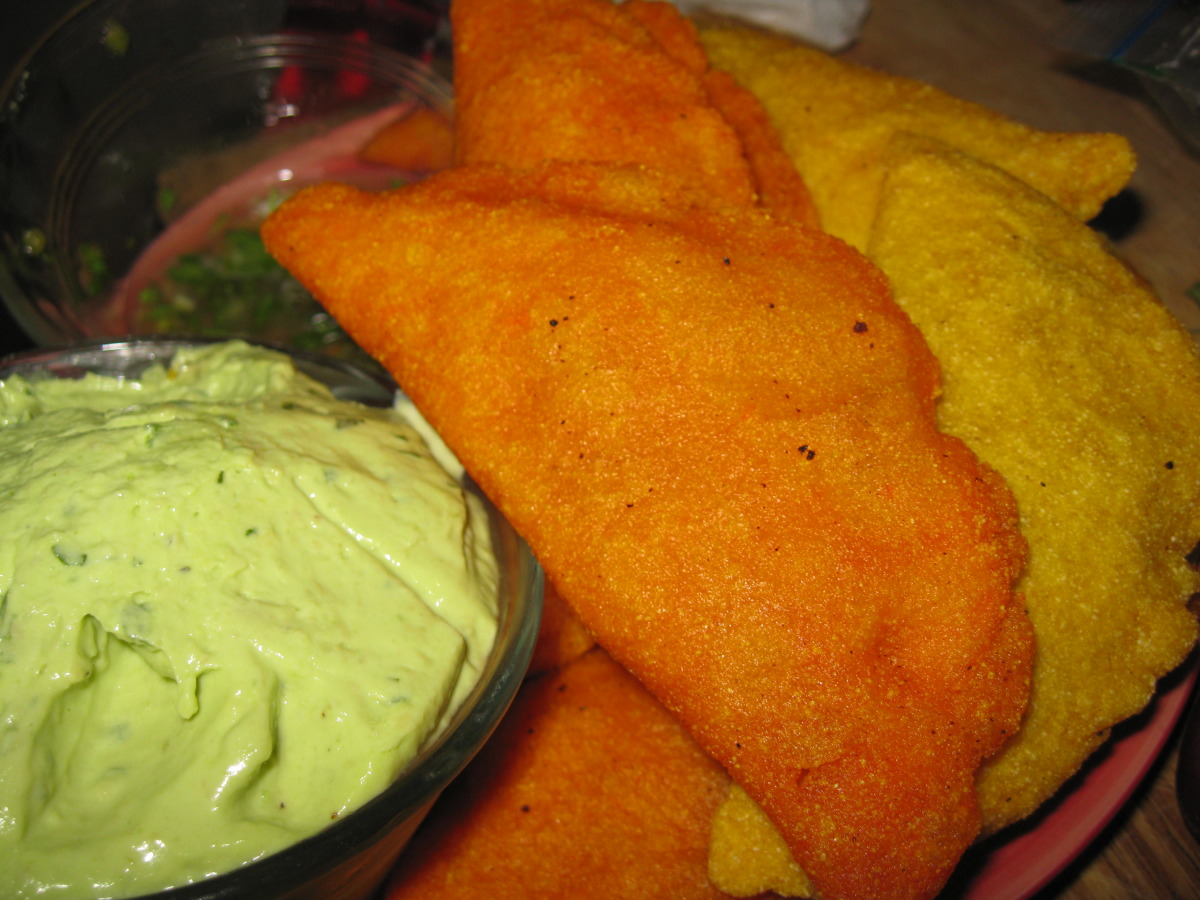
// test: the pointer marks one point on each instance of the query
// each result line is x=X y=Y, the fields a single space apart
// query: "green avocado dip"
x=232 y=608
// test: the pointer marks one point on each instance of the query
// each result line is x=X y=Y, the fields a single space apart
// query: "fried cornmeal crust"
x=837 y=118
x=561 y=636
x=716 y=431
x=540 y=80
x=589 y=788
x=658 y=381
x=753 y=858
x=626 y=84
x=840 y=124
x=1063 y=371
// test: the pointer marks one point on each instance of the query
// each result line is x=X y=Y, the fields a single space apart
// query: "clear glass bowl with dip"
x=350 y=857
x=141 y=142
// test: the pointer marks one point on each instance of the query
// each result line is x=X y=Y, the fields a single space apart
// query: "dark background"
x=24 y=21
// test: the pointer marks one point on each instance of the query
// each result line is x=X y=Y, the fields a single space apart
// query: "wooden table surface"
x=1002 y=53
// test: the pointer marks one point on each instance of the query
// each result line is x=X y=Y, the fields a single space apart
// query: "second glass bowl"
x=142 y=141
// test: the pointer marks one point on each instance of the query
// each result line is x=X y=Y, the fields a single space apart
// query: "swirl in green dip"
x=233 y=607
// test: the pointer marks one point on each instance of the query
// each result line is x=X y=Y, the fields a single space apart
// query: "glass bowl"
x=350 y=858
x=138 y=132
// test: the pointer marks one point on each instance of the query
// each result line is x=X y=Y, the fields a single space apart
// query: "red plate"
x=1017 y=863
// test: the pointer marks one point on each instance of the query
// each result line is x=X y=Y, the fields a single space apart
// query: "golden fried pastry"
x=422 y=140
x=714 y=427
x=777 y=184
x=625 y=84
x=716 y=431
x=751 y=857
x=1063 y=371
x=591 y=81
x=561 y=636
x=837 y=118
x=589 y=788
